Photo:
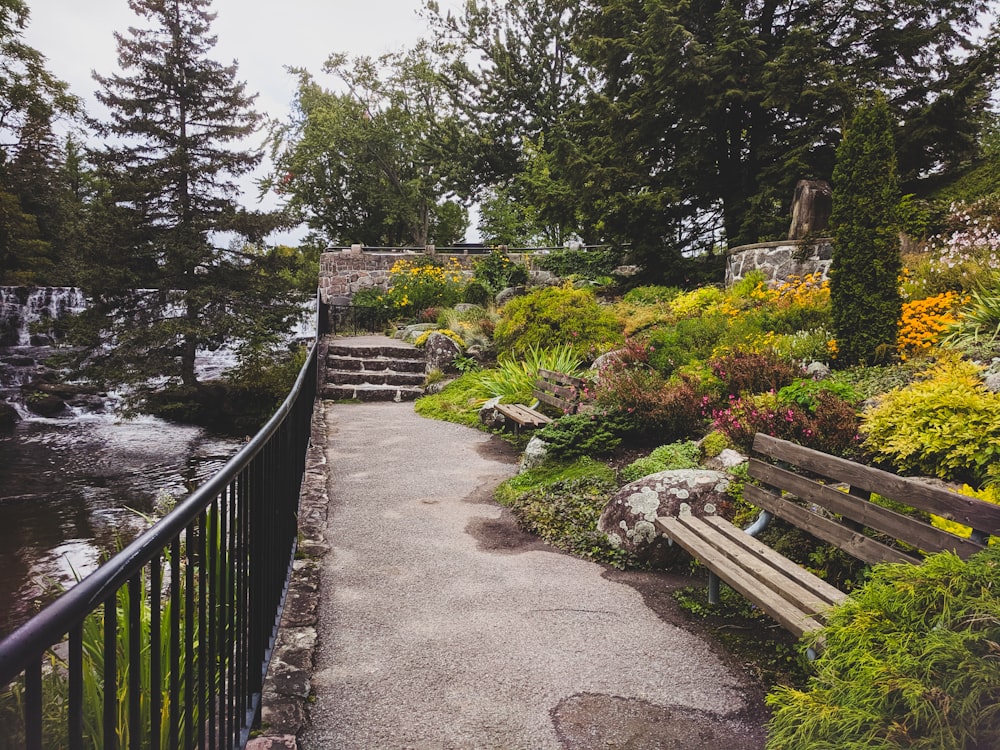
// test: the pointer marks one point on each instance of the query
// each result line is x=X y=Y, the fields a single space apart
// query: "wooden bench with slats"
x=556 y=389
x=799 y=485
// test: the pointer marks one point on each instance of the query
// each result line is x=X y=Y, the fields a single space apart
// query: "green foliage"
x=714 y=443
x=978 y=326
x=514 y=377
x=680 y=455
x=562 y=503
x=556 y=316
x=866 y=265
x=753 y=372
x=593 y=263
x=476 y=294
x=423 y=283
x=651 y=295
x=574 y=435
x=459 y=401
x=628 y=386
x=946 y=425
x=804 y=392
x=688 y=340
x=910 y=661
x=378 y=157
x=497 y=272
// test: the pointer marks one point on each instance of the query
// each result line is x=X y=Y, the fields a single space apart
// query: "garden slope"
x=431 y=638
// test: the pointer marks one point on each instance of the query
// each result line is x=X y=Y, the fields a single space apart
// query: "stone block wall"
x=779 y=260
x=343 y=273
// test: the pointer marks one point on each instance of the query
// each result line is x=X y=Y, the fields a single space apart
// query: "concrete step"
x=368 y=392
x=372 y=377
x=374 y=364
x=373 y=351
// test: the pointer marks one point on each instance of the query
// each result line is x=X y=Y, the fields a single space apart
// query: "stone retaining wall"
x=779 y=260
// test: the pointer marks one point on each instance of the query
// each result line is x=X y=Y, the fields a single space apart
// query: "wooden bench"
x=795 y=598
x=556 y=389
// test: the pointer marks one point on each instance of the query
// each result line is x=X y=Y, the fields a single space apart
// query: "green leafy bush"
x=690 y=339
x=911 y=661
x=753 y=372
x=556 y=316
x=574 y=435
x=978 y=328
x=476 y=294
x=680 y=455
x=585 y=264
x=651 y=295
x=946 y=425
x=513 y=379
x=652 y=406
x=561 y=504
x=422 y=283
x=497 y=272
x=805 y=392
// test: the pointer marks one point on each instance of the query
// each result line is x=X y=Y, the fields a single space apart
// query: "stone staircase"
x=373 y=371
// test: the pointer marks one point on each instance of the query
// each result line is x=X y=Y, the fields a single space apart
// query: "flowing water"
x=73 y=488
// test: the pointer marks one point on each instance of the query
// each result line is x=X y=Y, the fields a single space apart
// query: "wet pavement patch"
x=503 y=535
x=591 y=722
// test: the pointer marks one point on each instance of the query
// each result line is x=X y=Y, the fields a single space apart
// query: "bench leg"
x=713 y=588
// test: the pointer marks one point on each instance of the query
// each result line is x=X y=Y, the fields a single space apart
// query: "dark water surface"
x=74 y=489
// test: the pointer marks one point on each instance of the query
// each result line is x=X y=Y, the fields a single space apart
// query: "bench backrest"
x=559 y=390
x=849 y=514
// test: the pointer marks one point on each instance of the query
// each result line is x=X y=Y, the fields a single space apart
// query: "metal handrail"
x=221 y=560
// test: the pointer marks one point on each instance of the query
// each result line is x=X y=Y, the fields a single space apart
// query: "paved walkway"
x=443 y=626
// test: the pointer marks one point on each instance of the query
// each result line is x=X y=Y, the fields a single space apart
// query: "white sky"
x=263 y=36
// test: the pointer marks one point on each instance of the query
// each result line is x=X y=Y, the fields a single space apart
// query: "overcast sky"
x=263 y=36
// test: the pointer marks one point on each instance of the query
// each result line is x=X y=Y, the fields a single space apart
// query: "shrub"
x=629 y=387
x=697 y=301
x=831 y=426
x=562 y=504
x=416 y=285
x=556 y=316
x=515 y=374
x=753 y=372
x=689 y=340
x=584 y=264
x=422 y=338
x=946 y=425
x=576 y=435
x=910 y=661
x=476 y=294
x=923 y=322
x=680 y=455
x=651 y=295
x=978 y=326
x=866 y=263
x=497 y=272
x=806 y=392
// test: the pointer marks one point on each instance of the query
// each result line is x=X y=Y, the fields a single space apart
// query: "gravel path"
x=438 y=631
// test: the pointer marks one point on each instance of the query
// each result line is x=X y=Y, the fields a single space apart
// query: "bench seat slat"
x=911 y=530
x=523 y=415
x=792 y=618
x=853 y=543
x=830 y=595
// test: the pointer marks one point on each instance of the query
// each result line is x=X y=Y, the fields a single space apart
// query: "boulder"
x=506 y=295
x=44 y=404
x=490 y=417
x=535 y=453
x=727 y=459
x=992 y=382
x=8 y=415
x=628 y=517
x=818 y=370
x=411 y=333
x=441 y=351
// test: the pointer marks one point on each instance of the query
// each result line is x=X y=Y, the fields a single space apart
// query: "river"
x=76 y=487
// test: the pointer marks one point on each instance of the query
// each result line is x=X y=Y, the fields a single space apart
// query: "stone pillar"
x=355 y=249
x=811 y=209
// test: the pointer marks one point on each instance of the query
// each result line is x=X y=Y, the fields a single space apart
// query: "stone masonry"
x=779 y=260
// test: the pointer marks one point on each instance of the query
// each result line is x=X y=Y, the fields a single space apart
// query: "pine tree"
x=864 y=273
x=178 y=122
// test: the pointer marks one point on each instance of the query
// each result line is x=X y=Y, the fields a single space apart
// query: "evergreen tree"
x=864 y=273
x=178 y=120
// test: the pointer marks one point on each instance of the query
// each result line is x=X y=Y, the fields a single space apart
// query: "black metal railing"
x=344 y=319
x=167 y=644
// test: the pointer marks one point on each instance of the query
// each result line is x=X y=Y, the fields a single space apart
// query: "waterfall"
x=22 y=306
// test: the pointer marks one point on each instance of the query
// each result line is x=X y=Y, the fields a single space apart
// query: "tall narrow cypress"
x=864 y=274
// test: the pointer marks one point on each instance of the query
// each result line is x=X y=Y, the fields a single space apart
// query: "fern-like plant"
x=514 y=376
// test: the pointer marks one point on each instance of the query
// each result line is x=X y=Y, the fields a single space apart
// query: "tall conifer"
x=176 y=130
x=864 y=274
